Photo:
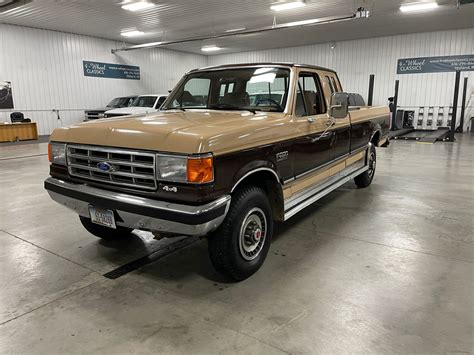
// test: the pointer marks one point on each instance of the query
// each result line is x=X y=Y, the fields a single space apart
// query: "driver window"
x=308 y=97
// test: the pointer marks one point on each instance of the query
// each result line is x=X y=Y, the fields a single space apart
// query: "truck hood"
x=197 y=131
x=131 y=111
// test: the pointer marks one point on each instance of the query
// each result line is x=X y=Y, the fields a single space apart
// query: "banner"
x=6 y=96
x=110 y=70
x=436 y=64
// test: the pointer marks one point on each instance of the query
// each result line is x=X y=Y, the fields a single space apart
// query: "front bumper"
x=141 y=213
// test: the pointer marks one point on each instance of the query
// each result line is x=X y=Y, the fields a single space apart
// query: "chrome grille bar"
x=130 y=168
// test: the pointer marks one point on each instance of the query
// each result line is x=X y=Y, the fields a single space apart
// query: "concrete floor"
x=388 y=269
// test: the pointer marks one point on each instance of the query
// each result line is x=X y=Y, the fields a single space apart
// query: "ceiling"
x=177 y=19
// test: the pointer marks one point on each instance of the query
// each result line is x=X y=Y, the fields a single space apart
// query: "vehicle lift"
x=402 y=127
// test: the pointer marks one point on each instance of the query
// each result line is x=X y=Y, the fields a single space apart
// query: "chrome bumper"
x=139 y=212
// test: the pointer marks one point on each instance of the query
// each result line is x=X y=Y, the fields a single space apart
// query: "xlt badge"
x=282 y=156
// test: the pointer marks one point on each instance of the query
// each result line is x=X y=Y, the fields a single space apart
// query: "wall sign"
x=111 y=70
x=6 y=96
x=436 y=64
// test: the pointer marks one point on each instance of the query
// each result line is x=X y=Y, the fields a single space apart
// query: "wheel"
x=365 y=179
x=104 y=232
x=240 y=245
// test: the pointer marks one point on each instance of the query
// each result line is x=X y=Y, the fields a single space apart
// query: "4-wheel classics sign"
x=110 y=70
x=436 y=64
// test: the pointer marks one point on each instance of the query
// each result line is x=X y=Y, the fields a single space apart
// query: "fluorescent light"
x=211 y=48
x=144 y=45
x=132 y=33
x=137 y=6
x=301 y=23
x=287 y=5
x=420 y=6
x=237 y=29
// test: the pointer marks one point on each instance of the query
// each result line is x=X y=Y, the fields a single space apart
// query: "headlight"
x=57 y=153
x=174 y=168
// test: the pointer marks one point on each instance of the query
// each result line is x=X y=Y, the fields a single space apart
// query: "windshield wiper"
x=230 y=107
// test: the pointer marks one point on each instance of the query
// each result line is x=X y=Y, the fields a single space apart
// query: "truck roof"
x=285 y=64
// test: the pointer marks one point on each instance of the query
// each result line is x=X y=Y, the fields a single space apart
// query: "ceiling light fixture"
x=282 y=6
x=132 y=33
x=211 y=48
x=137 y=6
x=419 y=6
x=236 y=29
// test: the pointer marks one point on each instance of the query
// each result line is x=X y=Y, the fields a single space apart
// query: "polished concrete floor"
x=387 y=269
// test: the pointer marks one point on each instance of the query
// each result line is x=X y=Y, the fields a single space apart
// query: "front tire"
x=240 y=245
x=104 y=232
x=365 y=179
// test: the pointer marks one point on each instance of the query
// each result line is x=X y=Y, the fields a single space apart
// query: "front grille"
x=127 y=167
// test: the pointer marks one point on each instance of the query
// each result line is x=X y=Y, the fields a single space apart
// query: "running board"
x=320 y=191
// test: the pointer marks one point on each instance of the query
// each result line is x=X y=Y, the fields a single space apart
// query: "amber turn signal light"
x=200 y=170
x=50 y=153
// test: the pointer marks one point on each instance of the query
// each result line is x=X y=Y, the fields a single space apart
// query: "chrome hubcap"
x=372 y=164
x=252 y=234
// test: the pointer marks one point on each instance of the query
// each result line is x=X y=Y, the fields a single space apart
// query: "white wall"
x=356 y=60
x=45 y=68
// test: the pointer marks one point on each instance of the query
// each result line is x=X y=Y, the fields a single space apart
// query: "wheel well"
x=268 y=182
x=375 y=138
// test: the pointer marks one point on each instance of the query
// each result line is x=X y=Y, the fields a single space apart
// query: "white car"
x=142 y=105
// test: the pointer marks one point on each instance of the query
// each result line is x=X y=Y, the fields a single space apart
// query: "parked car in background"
x=118 y=102
x=142 y=105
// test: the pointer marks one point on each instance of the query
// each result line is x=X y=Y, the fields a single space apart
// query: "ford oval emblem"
x=105 y=166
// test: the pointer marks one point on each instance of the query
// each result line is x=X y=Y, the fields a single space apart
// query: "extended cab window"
x=309 y=99
x=160 y=101
x=248 y=88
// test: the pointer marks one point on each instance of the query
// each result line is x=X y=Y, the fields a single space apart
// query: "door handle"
x=321 y=136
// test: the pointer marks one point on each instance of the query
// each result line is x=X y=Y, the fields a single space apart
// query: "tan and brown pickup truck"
x=233 y=149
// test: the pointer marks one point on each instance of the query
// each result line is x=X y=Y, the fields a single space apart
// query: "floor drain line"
x=158 y=254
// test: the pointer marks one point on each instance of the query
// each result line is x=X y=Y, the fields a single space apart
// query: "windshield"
x=120 y=102
x=254 y=89
x=144 y=101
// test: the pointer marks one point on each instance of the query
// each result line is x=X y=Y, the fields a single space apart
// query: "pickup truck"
x=215 y=163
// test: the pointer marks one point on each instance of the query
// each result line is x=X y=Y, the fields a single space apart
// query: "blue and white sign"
x=110 y=70
x=436 y=64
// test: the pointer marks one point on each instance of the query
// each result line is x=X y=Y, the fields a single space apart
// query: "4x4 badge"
x=170 y=189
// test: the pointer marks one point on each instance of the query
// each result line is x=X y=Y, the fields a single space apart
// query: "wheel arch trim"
x=253 y=171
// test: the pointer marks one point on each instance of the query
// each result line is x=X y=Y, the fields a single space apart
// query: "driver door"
x=315 y=146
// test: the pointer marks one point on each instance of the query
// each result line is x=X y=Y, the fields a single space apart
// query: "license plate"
x=102 y=217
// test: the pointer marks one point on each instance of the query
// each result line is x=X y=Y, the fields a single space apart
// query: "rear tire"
x=365 y=179
x=104 y=232
x=240 y=245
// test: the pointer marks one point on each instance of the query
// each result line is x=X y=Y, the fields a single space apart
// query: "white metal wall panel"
x=45 y=68
x=356 y=60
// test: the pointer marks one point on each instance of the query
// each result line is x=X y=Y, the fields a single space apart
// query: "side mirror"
x=339 y=105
